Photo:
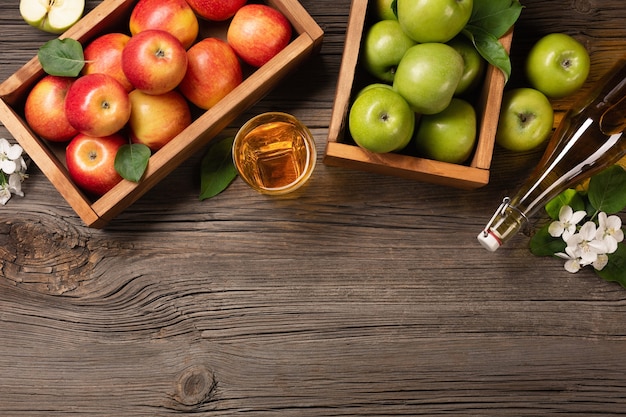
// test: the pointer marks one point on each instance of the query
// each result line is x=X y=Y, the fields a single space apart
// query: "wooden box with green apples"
x=201 y=106
x=387 y=114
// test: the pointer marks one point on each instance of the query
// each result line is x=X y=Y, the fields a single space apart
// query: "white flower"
x=609 y=231
x=585 y=245
x=591 y=244
x=601 y=262
x=566 y=225
x=15 y=184
x=5 y=194
x=572 y=263
x=9 y=154
x=21 y=165
x=12 y=170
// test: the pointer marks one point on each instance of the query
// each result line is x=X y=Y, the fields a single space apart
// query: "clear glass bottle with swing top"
x=589 y=139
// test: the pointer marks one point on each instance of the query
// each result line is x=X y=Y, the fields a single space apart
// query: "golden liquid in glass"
x=273 y=155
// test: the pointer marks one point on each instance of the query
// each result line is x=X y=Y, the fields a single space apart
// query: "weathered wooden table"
x=365 y=295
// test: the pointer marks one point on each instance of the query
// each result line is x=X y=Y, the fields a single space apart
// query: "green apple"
x=433 y=20
x=374 y=85
x=474 y=65
x=54 y=16
x=383 y=10
x=526 y=120
x=557 y=65
x=381 y=121
x=384 y=46
x=449 y=136
x=428 y=75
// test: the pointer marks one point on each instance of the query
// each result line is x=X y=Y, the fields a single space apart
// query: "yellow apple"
x=104 y=55
x=173 y=16
x=157 y=119
x=44 y=109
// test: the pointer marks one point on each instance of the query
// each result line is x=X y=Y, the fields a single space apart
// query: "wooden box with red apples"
x=342 y=151
x=113 y=16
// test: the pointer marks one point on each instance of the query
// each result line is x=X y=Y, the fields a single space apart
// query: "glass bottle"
x=589 y=139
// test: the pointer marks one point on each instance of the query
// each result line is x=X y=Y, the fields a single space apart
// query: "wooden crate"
x=343 y=152
x=113 y=15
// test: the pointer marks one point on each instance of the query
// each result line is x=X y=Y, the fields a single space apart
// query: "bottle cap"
x=489 y=240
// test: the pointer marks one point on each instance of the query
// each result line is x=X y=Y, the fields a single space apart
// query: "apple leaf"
x=217 y=169
x=607 y=190
x=495 y=16
x=131 y=161
x=490 y=20
x=569 y=197
x=542 y=244
x=62 y=57
x=490 y=49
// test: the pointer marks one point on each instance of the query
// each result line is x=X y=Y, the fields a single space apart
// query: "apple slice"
x=54 y=16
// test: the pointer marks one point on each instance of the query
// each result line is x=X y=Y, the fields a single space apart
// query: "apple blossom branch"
x=12 y=170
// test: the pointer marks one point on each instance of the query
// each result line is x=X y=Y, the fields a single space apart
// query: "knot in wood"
x=47 y=257
x=195 y=386
x=582 y=6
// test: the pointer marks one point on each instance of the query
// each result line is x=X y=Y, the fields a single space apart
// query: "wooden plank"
x=361 y=295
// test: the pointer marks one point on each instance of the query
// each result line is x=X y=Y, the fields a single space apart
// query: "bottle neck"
x=505 y=223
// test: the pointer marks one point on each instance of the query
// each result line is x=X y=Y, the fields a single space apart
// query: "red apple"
x=157 y=119
x=173 y=16
x=97 y=105
x=44 y=109
x=91 y=162
x=104 y=55
x=154 y=61
x=216 y=10
x=213 y=71
x=258 y=32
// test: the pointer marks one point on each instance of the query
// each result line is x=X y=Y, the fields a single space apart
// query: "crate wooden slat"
x=341 y=150
x=107 y=17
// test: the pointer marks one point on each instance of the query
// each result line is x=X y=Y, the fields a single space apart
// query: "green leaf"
x=569 y=197
x=217 y=169
x=490 y=20
x=615 y=269
x=607 y=190
x=131 y=161
x=62 y=57
x=490 y=48
x=542 y=244
x=495 y=16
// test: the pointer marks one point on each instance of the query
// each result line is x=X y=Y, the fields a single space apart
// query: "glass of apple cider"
x=274 y=153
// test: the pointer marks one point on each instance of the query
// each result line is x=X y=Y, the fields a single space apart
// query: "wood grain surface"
x=361 y=295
